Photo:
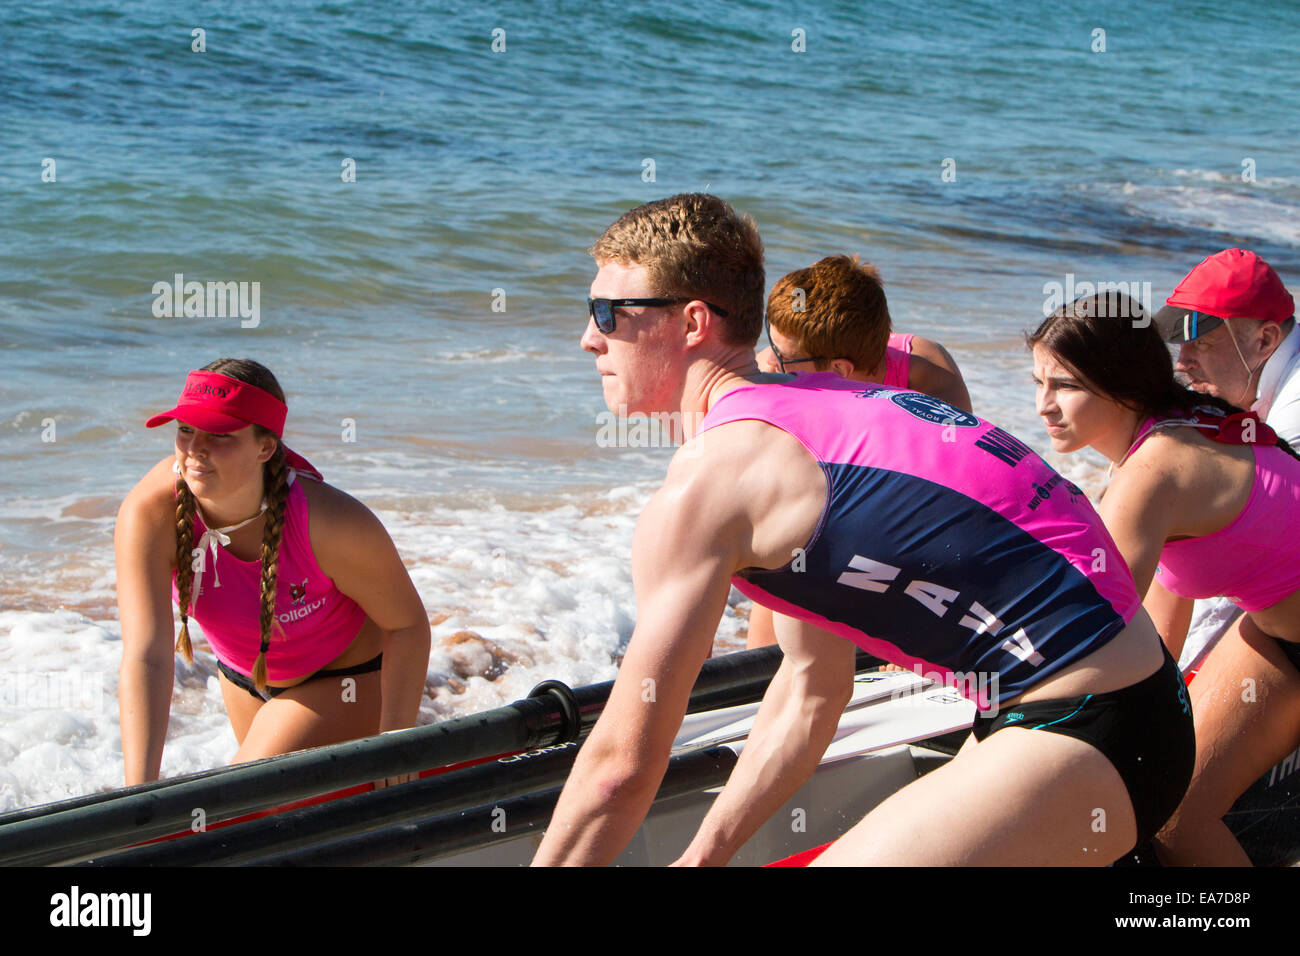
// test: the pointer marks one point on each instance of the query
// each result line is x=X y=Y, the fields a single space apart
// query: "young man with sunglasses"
x=833 y=316
x=851 y=508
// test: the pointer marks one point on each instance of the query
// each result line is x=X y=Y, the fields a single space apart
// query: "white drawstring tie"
x=214 y=539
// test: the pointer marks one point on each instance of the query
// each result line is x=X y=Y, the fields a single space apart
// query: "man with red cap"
x=1234 y=323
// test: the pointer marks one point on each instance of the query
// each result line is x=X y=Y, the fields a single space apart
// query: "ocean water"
x=424 y=317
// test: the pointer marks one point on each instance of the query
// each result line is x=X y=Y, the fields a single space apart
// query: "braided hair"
x=275 y=481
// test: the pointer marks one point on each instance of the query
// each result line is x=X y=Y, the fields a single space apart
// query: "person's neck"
x=1117 y=444
x=1251 y=395
x=708 y=380
x=228 y=511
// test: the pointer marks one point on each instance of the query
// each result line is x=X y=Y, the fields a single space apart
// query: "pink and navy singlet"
x=898 y=361
x=945 y=541
x=316 y=620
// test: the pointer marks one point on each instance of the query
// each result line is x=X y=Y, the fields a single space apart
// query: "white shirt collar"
x=1277 y=370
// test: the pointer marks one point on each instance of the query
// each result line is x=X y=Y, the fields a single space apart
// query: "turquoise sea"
x=413 y=187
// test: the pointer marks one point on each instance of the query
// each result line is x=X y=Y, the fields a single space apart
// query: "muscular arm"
x=795 y=724
x=683 y=554
x=144 y=539
x=354 y=550
x=935 y=372
x=741 y=495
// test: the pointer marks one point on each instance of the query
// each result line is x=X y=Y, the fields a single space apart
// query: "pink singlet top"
x=1255 y=560
x=316 y=620
x=945 y=541
x=898 y=360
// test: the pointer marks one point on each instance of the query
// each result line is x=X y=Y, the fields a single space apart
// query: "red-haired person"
x=1204 y=502
x=833 y=317
x=318 y=631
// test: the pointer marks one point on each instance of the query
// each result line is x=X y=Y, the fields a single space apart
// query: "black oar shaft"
x=99 y=822
x=90 y=799
x=490 y=823
x=421 y=799
x=503 y=778
x=77 y=833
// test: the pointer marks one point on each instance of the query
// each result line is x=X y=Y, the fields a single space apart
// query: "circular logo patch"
x=933 y=410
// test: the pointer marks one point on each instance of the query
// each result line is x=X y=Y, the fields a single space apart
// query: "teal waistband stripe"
x=1067 y=716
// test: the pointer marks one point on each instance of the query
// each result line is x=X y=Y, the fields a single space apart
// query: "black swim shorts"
x=1144 y=730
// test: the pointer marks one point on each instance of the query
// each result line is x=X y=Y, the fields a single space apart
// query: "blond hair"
x=695 y=246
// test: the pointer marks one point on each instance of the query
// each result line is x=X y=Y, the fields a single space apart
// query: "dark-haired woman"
x=1204 y=502
x=319 y=634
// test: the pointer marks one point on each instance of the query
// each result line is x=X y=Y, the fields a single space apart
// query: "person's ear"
x=268 y=445
x=700 y=322
x=1270 y=337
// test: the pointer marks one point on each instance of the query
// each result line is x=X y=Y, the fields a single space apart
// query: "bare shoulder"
x=334 y=513
x=1168 y=452
x=752 y=479
x=1157 y=461
x=144 y=535
x=1189 y=458
x=747 y=458
x=327 y=499
x=346 y=536
x=1175 y=466
x=152 y=500
x=933 y=354
x=934 y=371
x=1198 y=485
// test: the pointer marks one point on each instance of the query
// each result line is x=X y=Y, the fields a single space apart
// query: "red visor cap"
x=218 y=403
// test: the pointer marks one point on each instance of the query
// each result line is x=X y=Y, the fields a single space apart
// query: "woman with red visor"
x=318 y=631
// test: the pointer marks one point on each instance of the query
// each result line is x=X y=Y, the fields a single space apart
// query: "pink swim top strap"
x=898 y=360
x=1217 y=425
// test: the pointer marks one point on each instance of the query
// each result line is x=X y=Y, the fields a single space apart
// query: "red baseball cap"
x=219 y=403
x=1232 y=284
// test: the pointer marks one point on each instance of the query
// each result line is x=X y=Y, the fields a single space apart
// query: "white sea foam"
x=1233 y=209
x=491 y=356
x=1218 y=176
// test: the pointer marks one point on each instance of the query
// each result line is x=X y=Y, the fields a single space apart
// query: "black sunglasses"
x=602 y=310
x=781 y=360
